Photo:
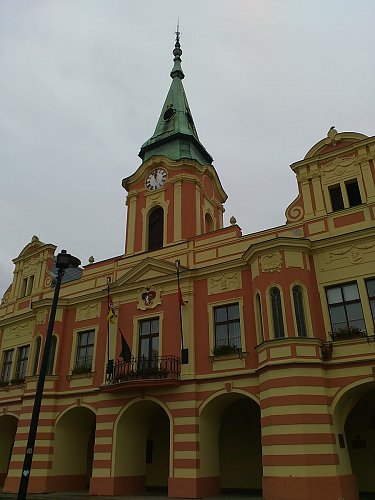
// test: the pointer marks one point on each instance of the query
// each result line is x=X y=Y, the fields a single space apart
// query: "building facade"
x=202 y=359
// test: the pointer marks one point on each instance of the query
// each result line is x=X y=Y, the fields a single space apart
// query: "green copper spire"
x=175 y=134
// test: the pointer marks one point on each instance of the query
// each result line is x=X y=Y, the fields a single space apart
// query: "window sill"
x=74 y=376
x=229 y=355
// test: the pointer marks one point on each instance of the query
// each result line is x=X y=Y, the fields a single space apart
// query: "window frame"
x=77 y=366
x=23 y=354
x=371 y=300
x=148 y=338
x=7 y=366
x=303 y=305
x=344 y=304
x=152 y=245
x=342 y=185
x=259 y=316
x=271 y=313
x=36 y=354
x=211 y=325
x=27 y=285
x=227 y=322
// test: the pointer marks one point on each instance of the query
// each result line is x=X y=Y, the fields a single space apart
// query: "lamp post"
x=63 y=261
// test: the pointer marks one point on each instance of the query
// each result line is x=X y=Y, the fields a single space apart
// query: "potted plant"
x=224 y=349
x=347 y=332
x=77 y=370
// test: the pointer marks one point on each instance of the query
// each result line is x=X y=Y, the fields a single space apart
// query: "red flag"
x=180 y=299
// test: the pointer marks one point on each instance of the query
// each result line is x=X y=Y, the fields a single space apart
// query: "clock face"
x=156 y=178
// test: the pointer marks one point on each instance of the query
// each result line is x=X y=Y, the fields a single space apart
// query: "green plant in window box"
x=17 y=381
x=348 y=332
x=81 y=370
x=224 y=349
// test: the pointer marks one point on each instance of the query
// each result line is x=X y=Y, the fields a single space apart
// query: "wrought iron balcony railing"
x=157 y=367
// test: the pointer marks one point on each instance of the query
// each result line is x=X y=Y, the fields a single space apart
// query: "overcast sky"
x=82 y=83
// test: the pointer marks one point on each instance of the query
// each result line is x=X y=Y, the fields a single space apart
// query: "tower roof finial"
x=177 y=52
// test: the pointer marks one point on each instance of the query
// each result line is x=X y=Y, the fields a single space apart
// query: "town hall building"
x=203 y=360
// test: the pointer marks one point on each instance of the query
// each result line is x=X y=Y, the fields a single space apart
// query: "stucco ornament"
x=40 y=316
x=355 y=254
x=333 y=137
x=271 y=262
x=23 y=329
x=87 y=311
x=224 y=282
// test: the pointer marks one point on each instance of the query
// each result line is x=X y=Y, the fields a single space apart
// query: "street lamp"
x=63 y=261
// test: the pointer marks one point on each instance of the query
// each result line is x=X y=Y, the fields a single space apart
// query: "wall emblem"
x=147 y=296
x=148 y=299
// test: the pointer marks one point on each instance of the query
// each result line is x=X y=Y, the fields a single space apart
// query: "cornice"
x=281 y=242
x=350 y=238
x=332 y=154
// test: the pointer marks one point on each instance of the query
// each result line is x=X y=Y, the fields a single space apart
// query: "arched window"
x=258 y=306
x=208 y=223
x=51 y=356
x=299 y=311
x=38 y=342
x=155 y=229
x=277 y=313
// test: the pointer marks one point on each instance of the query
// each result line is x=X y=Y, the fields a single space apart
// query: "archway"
x=141 y=449
x=73 y=449
x=8 y=428
x=230 y=444
x=360 y=440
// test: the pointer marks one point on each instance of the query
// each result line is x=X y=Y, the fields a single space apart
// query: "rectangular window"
x=27 y=286
x=227 y=326
x=335 y=194
x=149 y=338
x=22 y=359
x=370 y=285
x=345 y=307
x=85 y=351
x=6 y=369
x=354 y=195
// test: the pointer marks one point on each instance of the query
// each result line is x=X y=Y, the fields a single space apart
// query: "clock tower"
x=175 y=194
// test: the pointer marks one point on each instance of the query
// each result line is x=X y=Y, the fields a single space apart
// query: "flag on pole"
x=179 y=295
x=125 y=353
x=111 y=311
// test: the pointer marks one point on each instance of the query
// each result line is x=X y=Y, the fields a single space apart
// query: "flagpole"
x=108 y=322
x=184 y=352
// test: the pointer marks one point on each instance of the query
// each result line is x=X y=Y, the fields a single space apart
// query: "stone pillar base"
x=185 y=487
x=310 y=488
x=47 y=484
x=125 y=485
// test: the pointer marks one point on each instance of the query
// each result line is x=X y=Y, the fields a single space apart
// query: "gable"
x=148 y=269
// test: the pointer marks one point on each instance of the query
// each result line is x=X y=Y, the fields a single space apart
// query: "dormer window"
x=27 y=286
x=345 y=195
x=354 y=195
x=335 y=194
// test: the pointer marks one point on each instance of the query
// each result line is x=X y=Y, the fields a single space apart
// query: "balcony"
x=143 y=373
